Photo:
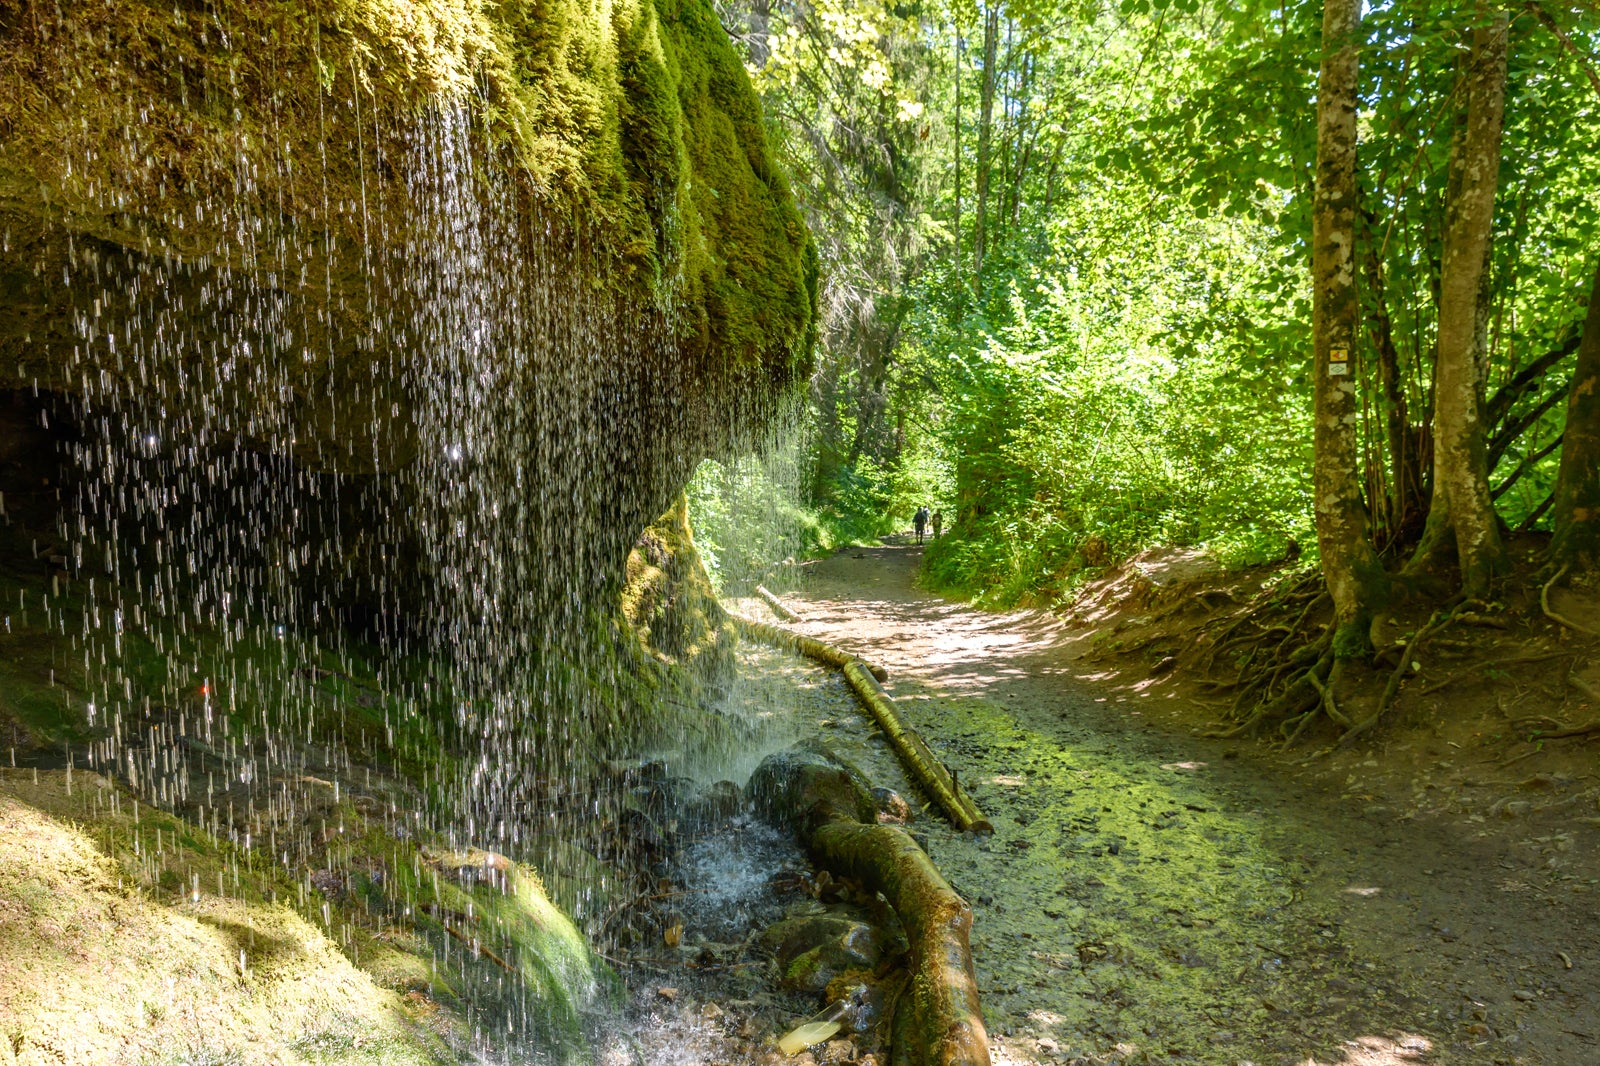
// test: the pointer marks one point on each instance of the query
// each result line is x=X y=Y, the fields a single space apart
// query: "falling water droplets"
x=343 y=461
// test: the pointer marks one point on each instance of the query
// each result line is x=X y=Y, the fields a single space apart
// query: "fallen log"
x=781 y=609
x=789 y=640
x=915 y=755
x=938 y=1020
x=925 y=768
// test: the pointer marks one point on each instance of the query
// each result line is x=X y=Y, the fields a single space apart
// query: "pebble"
x=1524 y=995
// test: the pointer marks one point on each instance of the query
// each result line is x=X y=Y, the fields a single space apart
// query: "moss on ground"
x=165 y=937
x=103 y=959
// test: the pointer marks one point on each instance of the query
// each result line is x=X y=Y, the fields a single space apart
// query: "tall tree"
x=1460 y=465
x=991 y=47
x=1577 y=500
x=1356 y=579
x=841 y=81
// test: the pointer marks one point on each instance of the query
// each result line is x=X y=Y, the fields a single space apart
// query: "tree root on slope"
x=1544 y=604
x=938 y=1020
x=1436 y=623
x=1286 y=674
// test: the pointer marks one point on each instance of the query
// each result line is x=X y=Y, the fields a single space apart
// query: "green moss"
x=802 y=971
x=1353 y=640
x=668 y=601
x=634 y=120
x=119 y=949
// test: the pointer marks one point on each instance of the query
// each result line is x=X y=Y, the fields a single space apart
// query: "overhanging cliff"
x=527 y=258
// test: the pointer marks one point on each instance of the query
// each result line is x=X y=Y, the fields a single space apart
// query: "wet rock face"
x=511 y=273
x=789 y=786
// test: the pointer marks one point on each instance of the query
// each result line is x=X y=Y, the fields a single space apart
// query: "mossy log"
x=826 y=654
x=915 y=755
x=781 y=609
x=938 y=1020
x=919 y=761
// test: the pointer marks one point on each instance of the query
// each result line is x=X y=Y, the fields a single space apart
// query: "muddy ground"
x=1151 y=895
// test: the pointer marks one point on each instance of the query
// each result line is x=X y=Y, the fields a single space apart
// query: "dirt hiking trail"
x=1151 y=896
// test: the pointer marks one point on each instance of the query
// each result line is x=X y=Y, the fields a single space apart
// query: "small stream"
x=700 y=989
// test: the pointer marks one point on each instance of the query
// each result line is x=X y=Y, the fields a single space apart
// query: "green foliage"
x=745 y=518
x=1093 y=425
x=1085 y=317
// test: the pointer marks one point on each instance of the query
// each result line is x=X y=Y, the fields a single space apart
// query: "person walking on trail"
x=938 y=523
x=921 y=522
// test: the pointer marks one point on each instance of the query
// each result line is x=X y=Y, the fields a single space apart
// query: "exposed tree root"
x=1564 y=731
x=938 y=1020
x=1544 y=602
x=1542 y=657
x=1304 y=591
x=1584 y=687
x=1299 y=623
x=1275 y=656
x=1437 y=622
x=1328 y=705
x=1309 y=665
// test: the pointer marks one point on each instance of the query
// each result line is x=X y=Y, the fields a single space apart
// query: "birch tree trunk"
x=1356 y=579
x=991 y=42
x=1460 y=467
x=1576 y=511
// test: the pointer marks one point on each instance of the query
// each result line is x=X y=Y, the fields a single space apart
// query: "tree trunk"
x=1577 y=499
x=958 y=154
x=923 y=766
x=760 y=30
x=1405 y=472
x=801 y=644
x=1356 y=579
x=1459 y=454
x=991 y=44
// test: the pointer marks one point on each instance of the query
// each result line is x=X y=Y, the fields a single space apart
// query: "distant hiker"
x=938 y=524
x=921 y=521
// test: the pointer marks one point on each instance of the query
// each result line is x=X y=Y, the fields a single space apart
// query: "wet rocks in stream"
x=816 y=944
x=729 y=939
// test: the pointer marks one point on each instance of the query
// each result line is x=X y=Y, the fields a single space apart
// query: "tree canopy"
x=1067 y=272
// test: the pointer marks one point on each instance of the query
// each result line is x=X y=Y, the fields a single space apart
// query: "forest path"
x=1150 y=896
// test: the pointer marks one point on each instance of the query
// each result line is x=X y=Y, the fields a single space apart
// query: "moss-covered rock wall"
x=167 y=127
x=271 y=224
x=346 y=349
